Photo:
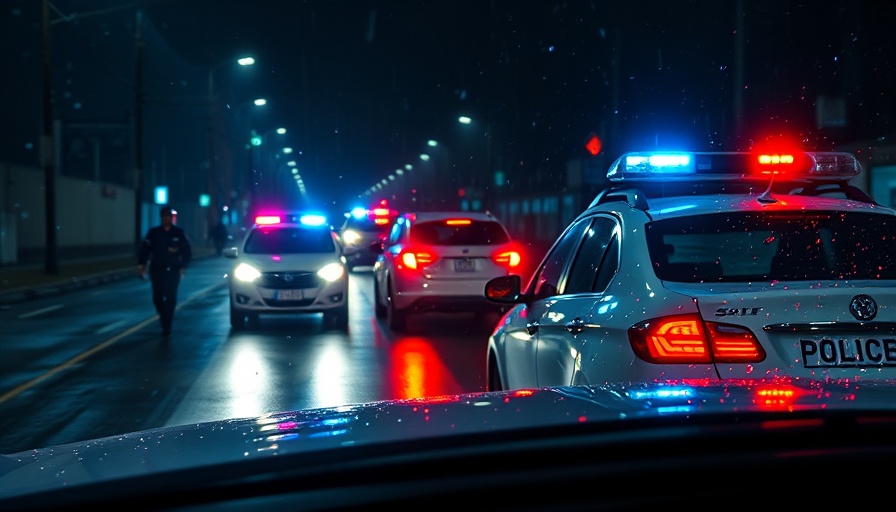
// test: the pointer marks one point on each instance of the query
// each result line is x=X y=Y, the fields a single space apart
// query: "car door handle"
x=575 y=326
x=531 y=328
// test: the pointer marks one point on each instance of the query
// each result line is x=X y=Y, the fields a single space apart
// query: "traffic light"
x=593 y=144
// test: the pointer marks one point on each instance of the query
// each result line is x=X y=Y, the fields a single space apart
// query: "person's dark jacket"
x=165 y=250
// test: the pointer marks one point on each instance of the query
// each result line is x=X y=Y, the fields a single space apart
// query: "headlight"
x=350 y=237
x=247 y=273
x=331 y=272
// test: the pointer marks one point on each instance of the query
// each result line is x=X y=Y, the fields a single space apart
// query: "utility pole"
x=211 y=156
x=739 y=47
x=138 y=131
x=47 y=150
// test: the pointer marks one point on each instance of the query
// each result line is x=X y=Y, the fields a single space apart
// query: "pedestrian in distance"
x=219 y=237
x=167 y=250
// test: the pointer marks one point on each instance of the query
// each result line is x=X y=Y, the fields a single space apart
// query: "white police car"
x=708 y=266
x=289 y=264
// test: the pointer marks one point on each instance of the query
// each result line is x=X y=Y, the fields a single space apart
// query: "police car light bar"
x=684 y=166
x=308 y=219
x=267 y=219
x=313 y=219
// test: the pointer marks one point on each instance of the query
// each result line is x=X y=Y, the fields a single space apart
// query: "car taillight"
x=415 y=258
x=508 y=259
x=687 y=339
x=777 y=396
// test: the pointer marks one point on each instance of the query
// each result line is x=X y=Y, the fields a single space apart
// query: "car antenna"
x=766 y=197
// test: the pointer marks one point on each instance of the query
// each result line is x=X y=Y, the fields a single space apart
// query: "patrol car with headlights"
x=289 y=264
x=694 y=266
x=362 y=232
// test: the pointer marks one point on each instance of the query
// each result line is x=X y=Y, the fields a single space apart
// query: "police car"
x=694 y=266
x=362 y=231
x=288 y=264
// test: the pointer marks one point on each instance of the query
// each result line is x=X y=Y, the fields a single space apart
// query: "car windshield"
x=325 y=254
x=367 y=225
x=747 y=247
x=289 y=241
x=475 y=232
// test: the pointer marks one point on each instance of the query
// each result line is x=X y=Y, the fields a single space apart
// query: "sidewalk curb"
x=77 y=283
x=20 y=295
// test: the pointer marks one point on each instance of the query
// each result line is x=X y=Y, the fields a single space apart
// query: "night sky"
x=361 y=85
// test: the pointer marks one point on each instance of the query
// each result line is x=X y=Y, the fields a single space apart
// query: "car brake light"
x=415 y=258
x=777 y=396
x=687 y=339
x=733 y=344
x=458 y=222
x=509 y=258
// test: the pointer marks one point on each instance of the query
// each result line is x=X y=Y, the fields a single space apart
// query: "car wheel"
x=337 y=318
x=494 y=380
x=237 y=318
x=378 y=308
x=253 y=320
x=396 y=318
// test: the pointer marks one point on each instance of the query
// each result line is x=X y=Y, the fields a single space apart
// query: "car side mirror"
x=230 y=252
x=376 y=247
x=505 y=289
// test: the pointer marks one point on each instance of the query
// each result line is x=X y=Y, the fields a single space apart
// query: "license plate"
x=464 y=266
x=288 y=295
x=848 y=352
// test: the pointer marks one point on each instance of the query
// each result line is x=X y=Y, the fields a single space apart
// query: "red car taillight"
x=415 y=258
x=687 y=339
x=509 y=259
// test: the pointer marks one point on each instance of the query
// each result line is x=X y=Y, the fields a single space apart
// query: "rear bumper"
x=454 y=304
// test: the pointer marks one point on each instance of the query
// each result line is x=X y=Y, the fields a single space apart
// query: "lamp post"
x=213 y=174
x=254 y=140
x=478 y=185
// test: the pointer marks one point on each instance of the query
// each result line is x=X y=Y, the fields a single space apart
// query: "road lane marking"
x=40 y=311
x=89 y=352
x=113 y=325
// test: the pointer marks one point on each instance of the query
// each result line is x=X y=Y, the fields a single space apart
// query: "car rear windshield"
x=289 y=241
x=742 y=247
x=475 y=233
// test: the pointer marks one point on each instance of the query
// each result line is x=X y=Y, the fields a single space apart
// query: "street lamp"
x=213 y=174
x=479 y=189
x=256 y=141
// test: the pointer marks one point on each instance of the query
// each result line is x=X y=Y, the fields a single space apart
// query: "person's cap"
x=167 y=210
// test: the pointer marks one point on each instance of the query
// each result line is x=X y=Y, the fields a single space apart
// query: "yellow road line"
x=89 y=352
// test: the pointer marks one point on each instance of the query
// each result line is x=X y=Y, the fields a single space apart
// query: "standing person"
x=168 y=251
x=219 y=236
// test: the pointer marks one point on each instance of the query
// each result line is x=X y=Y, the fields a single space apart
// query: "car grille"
x=289 y=280
x=288 y=303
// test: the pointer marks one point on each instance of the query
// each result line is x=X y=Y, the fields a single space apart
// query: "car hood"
x=305 y=437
